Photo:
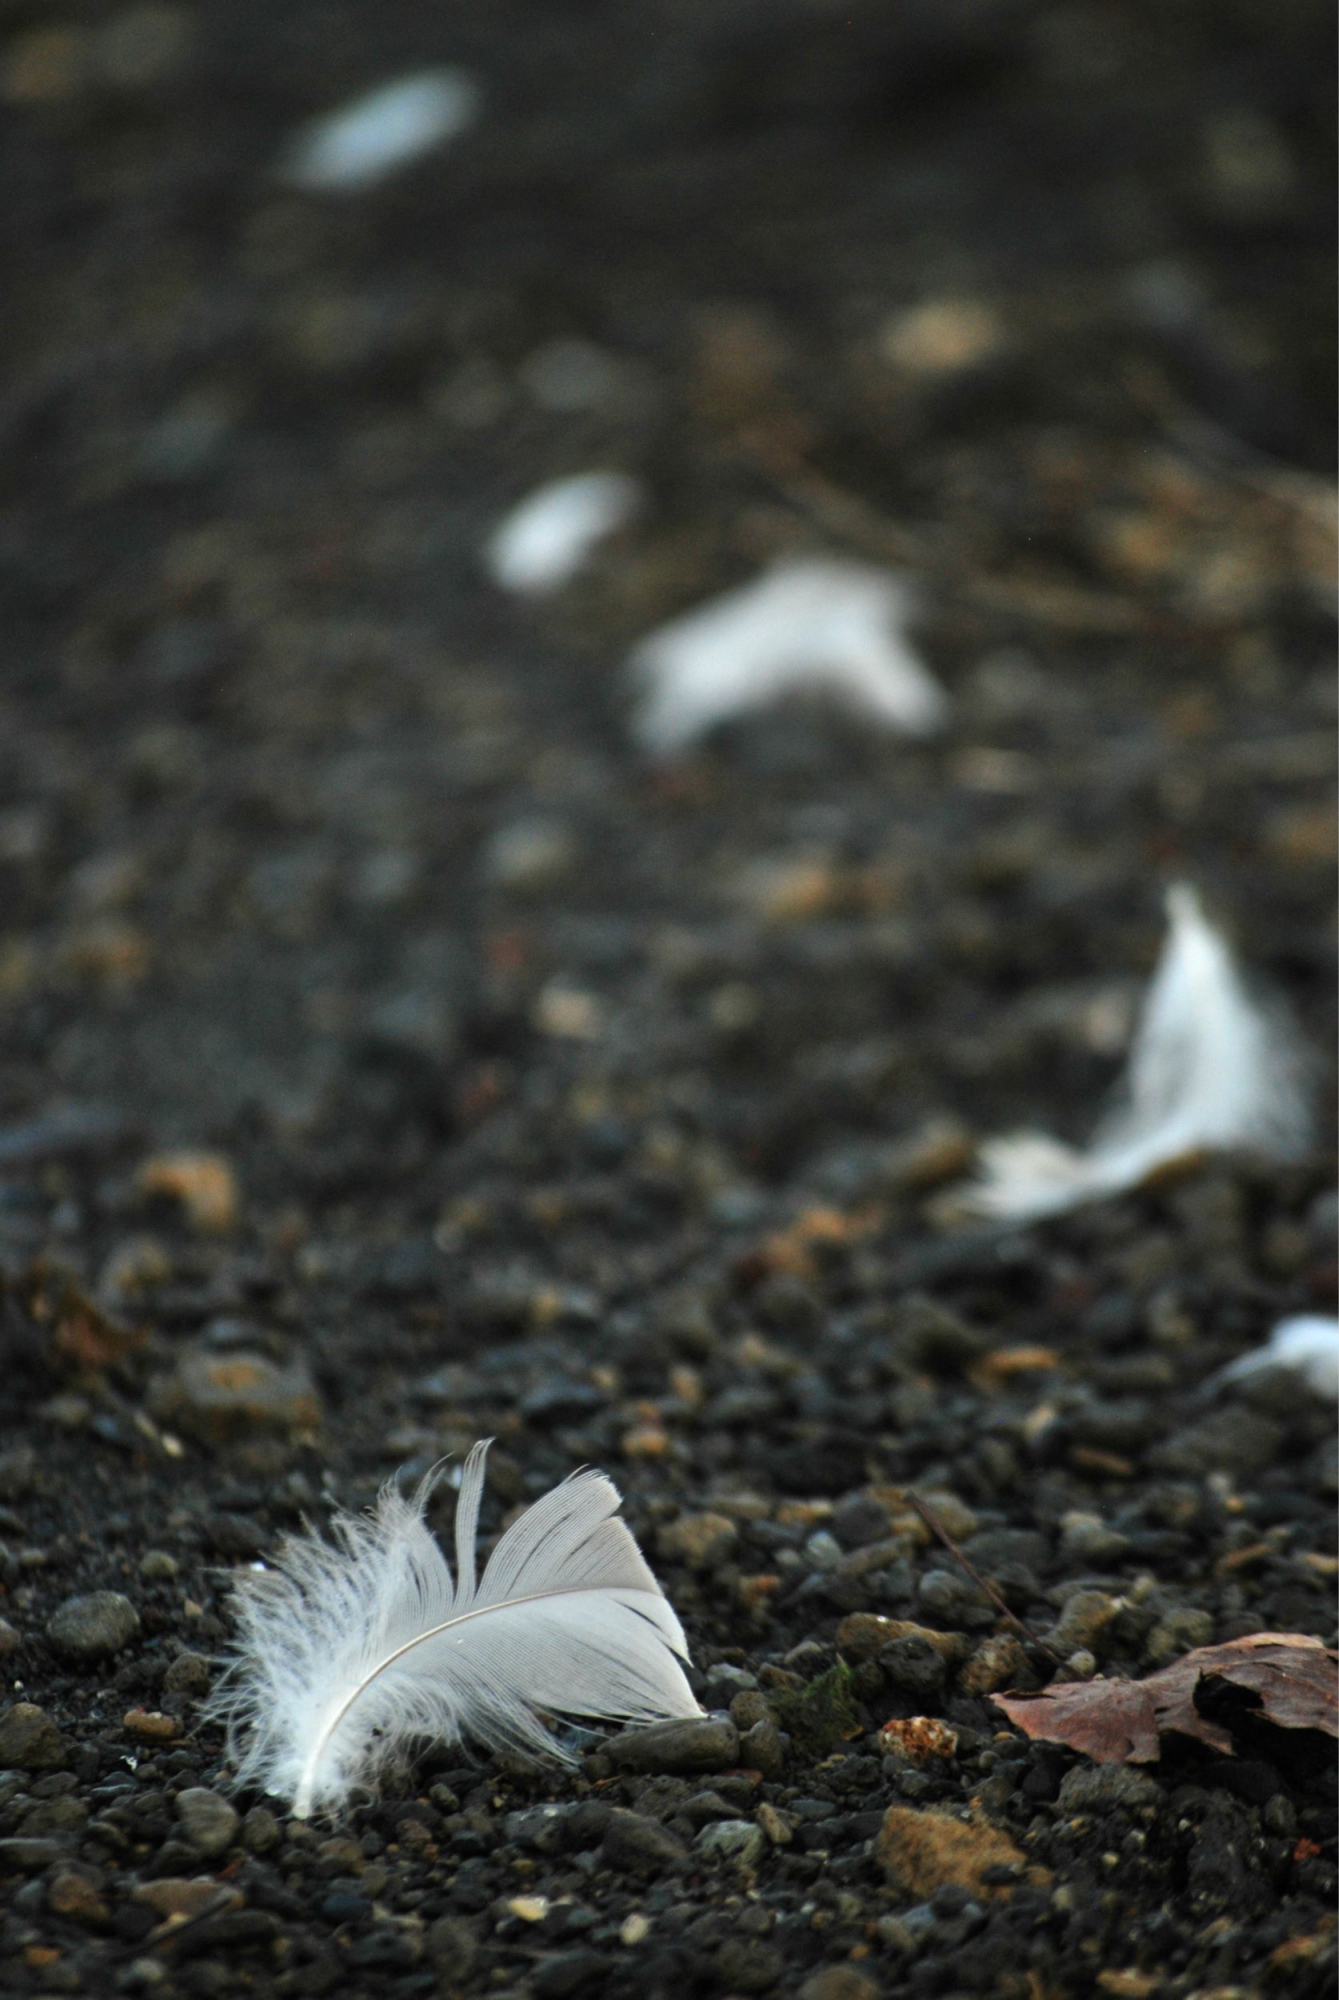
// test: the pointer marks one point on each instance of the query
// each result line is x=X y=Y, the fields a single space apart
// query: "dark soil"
x=609 y=1111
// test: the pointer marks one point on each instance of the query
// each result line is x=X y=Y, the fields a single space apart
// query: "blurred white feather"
x=362 y=142
x=1211 y=1068
x=820 y=625
x=543 y=542
x=1306 y=1346
x=351 y=1651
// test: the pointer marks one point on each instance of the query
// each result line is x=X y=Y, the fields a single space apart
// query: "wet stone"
x=702 y=1541
x=93 y=1627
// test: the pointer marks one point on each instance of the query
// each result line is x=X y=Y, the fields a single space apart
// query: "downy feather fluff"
x=350 y=1651
x=1210 y=1068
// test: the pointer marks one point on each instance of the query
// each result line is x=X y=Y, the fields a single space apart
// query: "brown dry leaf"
x=1295 y=1678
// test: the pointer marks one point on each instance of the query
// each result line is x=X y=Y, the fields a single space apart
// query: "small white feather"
x=1306 y=1346
x=549 y=536
x=1211 y=1068
x=351 y=1651
x=816 y=626
x=363 y=142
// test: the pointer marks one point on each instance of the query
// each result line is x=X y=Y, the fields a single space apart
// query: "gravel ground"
x=390 y=1057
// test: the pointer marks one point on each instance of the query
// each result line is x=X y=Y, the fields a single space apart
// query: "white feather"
x=1210 y=1068
x=820 y=626
x=549 y=536
x=364 y=141
x=350 y=1652
x=1306 y=1346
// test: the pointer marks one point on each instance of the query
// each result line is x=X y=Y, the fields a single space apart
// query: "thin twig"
x=936 y=1527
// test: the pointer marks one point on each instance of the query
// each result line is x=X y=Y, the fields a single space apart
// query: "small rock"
x=1234 y=1440
x=94 y=1627
x=76 y=1892
x=762 y=1748
x=260 y=1831
x=28 y=1856
x=997 y=1662
x=1083 y=1621
x=156 y=1566
x=147 y=1725
x=710 y=1743
x=638 y=1846
x=29 y=1739
x=188 y=1674
x=1095 y=1788
x=918 y=1738
x=578 y=1971
x=1177 y=1633
x=220 y=1397
x=1088 y=1539
x=737 y=1840
x=207 y=1820
x=748 y=1965
x=10 y=1640
x=531 y=856
x=840 y=1982
x=203 y=1184
x=452 y=1947
x=954 y=1600
x=922 y=1852
x=186 y=1896
x=775 y=1825
x=702 y=1541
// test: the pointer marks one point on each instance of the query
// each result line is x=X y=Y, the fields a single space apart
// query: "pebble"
x=10 y=1640
x=638 y=1846
x=156 y=1566
x=709 y=1744
x=702 y=1541
x=840 y=1982
x=1176 y=1634
x=187 y=1896
x=1088 y=1538
x=76 y=1893
x=92 y=1627
x=1239 y=1441
x=188 y=1674
x=737 y=1840
x=221 y=1397
x=1083 y=1621
x=29 y=1739
x=1096 y=1788
x=530 y=856
x=998 y=1662
x=208 y=1821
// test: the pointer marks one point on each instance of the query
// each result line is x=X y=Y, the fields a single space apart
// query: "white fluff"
x=549 y=536
x=819 y=625
x=1306 y=1346
x=1210 y=1068
x=350 y=1652
x=375 y=135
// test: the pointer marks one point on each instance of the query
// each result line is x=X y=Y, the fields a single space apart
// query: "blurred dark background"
x=1037 y=297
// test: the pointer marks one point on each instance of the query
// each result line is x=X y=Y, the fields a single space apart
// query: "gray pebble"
x=710 y=1743
x=92 y=1627
x=638 y=1846
x=1097 y=1788
x=10 y=1640
x=737 y=1840
x=208 y=1821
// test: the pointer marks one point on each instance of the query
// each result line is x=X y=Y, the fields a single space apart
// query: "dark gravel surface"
x=389 y=1058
